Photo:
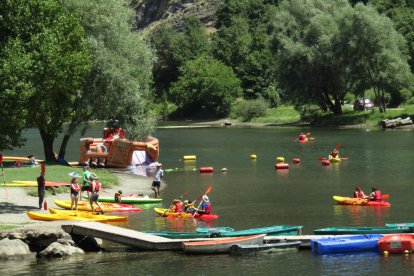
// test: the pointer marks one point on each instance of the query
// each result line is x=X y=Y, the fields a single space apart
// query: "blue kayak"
x=341 y=244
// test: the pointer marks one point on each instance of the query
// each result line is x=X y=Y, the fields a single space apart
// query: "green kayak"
x=362 y=230
x=202 y=232
x=130 y=199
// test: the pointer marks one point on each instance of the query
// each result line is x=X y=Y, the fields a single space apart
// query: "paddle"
x=342 y=158
x=207 y=191
x=385 y=196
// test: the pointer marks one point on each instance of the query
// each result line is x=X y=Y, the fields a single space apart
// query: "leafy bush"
x=247 y=110
x=272 y=95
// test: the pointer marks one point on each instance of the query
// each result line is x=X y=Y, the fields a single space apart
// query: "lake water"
x=253 y=194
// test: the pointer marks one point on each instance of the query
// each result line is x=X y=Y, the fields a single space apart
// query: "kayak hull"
x=165 y=213
x=107 y=207
x=343 y=244
x=220 y=245
x=361 y=230
x=53 y=217
x=360 y=201
x=90 y=215
x=130 y=199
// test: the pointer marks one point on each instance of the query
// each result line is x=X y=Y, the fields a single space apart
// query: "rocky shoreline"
x=44 y=239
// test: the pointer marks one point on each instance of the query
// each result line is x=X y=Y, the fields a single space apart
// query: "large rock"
x=14 y=249
x=57 y=249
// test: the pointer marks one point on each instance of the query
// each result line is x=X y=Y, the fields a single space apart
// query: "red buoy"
x=325 y=162
x=281 y=166
x=206 y=169
x=296 y=160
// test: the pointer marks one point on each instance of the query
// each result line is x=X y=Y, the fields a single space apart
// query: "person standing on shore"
x=94 y=188
x=86 y=177
x=74 y=193
x=41 y=188
x=156 y=182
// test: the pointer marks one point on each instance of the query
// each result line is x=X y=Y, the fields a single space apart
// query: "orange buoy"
x=296 y=160
x=325 y=162
x=206 y=169
x=281 y=166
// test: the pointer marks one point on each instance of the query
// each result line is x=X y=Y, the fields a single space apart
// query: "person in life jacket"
x=205 y=206
x=188 y=207
x=94 y=188
x=302 y=137
x=375 y=195
x=177 y=206
x=117 y=196
x=74 y=193
x=334 y=154
x=358 y=193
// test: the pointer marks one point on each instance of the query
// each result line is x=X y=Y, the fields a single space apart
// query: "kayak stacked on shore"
x=107 y=207
x=56 y=214
x=130 y=199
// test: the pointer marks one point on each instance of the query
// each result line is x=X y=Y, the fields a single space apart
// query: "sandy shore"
x=14 y=202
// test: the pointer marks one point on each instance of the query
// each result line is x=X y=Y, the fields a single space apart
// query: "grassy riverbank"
x=371 y=118
x=54 y=173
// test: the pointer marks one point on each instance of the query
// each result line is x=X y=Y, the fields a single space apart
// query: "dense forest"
x=66 y=63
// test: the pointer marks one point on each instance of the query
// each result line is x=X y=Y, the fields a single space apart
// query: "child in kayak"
x=188 y=207
x=358 y=193
x=375 y=195
x=302 y=137
x=176 y=207
x=117 y=196
x=334 y=154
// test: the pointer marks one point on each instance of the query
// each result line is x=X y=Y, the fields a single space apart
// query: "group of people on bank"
x=90 y=185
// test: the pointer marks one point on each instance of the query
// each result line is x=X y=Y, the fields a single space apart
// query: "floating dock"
x=151 y=242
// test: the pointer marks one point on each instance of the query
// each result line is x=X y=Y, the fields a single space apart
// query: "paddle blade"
x=311 y=138
x=294 y=139
x=338 y=146
x=385 y=196
x=320 y=158
x=307 y=134
x=208 y=190
x=345 y=158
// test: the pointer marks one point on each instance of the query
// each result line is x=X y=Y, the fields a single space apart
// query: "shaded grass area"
x=369 y=118
x=282 y=114
x=54 y=173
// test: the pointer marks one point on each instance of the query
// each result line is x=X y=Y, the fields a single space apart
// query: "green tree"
x=118 y=85
x=326 y=49
x=242 y=42
x=53 y=60
x=206 y=87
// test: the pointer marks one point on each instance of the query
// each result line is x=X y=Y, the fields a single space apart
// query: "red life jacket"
x=377 y=196
x=75 y=187
x=178 y=207
x=97 y=187
x=208 y=209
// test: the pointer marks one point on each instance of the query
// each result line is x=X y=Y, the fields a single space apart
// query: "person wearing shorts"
x=156 y=182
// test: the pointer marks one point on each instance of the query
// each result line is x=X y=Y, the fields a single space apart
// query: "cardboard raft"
x=118 y=153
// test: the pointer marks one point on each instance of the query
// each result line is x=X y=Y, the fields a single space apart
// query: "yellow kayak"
x=52 y=217
x=107 y=207
x=89 y=215
x=15 y=158
x=336 y=159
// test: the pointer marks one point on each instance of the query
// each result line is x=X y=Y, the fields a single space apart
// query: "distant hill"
x=150 y=13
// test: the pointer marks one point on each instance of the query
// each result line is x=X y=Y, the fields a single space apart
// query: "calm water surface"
x=253 y=194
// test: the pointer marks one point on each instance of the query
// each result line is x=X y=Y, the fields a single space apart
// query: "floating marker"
x=206 y=169
x=190 y=157
x=280 y=159
x=253 y=156
x=296 y=160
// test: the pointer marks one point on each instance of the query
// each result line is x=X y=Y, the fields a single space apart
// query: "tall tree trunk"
x=48 y=141
x=65 y=141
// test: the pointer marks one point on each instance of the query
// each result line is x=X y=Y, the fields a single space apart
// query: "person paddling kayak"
x=375 y=195
x=358 y=193
x=302 y=137
x=334 y=154
x=205 y=206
